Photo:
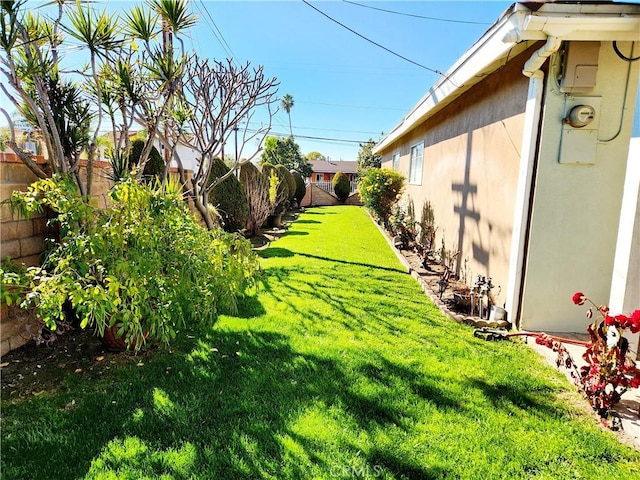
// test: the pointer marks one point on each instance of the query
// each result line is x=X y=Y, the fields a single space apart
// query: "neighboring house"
x=325 y=170
x=187 y=155
x=320 y=189
x=521 y=148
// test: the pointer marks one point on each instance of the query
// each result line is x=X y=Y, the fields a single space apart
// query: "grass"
x=339 y=368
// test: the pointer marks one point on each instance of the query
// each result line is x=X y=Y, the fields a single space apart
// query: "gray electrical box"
x=580 y=67
x=579 y=140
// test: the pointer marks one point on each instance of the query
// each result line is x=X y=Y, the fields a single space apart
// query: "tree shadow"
x=319 y=211
x=509 y=398
x=221 y=411
x=276 y=252
x=307 y=221
x=249 y=307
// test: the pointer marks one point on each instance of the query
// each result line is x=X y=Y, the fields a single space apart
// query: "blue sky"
x=345 y=89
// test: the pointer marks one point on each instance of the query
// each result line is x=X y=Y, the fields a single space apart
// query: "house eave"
x=517 y=29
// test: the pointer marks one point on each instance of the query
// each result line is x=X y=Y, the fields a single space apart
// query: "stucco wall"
x=470 y=169
x=576 y=207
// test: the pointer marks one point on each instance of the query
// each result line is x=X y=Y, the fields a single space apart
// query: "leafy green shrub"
x=301 y=187
x=228 y=197
x=341 y=186
x=13 y=282
x=380 y=189
x=282 y=188
x=154 y=168
x=143 y=264
x=256 y=188
x=291 y=183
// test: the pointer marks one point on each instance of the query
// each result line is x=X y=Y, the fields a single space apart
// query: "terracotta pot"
x=111 y=341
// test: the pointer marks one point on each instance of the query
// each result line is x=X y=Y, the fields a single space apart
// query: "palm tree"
x=287 y=104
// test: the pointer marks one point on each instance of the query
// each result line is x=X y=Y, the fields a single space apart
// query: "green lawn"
x=339 y=368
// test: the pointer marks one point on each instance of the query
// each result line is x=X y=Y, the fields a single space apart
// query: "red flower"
x=578 y=298
x=634 y=322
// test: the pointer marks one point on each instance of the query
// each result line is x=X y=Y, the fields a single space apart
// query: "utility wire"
x=276 y=134
x=321 y=129
x=214 y=28
x=417 y=16
x=371 y=41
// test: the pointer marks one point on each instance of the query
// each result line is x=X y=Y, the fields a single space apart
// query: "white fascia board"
x=580 y=22
x=600 y=28
x=470 y=69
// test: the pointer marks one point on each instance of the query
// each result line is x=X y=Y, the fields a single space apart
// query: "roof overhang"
x=517 y=29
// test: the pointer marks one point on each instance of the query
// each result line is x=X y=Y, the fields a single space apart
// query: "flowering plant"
x=609 y=371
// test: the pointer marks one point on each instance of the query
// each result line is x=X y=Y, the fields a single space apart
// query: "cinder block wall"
x=24 y=240
x=318 y=197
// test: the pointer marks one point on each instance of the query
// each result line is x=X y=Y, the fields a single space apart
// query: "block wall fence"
x=318 y=197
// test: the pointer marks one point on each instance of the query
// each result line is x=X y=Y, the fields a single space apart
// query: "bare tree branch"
x=221 y=99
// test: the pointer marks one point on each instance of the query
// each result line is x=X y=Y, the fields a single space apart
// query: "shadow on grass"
x=236 y=405
x=249 y=307
x=220 y=410
x=307 y=221
x=318 y=211
x=278 y=252
x=509 y=398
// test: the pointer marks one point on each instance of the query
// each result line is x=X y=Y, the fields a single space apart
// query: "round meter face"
x=581 y=116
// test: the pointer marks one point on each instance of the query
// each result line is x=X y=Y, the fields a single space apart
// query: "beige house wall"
x=576 y=207
x=470 y=169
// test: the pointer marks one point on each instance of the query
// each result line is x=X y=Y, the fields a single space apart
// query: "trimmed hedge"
x=283 y=187
x=291 y=183
x=228 y=197
x=341 y=186
x=301 y=187
x=154 y=168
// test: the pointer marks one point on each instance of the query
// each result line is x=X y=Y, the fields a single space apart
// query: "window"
x=415 y=167
x=395 y=161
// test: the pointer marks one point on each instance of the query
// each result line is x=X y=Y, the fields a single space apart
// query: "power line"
x=308 y=137
x=373 y=42
x=321 y=129
x=417 y=16
x=219 y=36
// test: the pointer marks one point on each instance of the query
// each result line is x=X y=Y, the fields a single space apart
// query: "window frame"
x=415 y=168
x=395 y=161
